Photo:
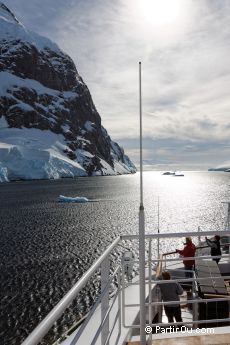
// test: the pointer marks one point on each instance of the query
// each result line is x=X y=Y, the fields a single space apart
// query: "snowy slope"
x=11 y=29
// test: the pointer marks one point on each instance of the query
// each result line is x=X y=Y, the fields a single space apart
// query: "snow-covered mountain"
x=49 y=126
x=225 y=168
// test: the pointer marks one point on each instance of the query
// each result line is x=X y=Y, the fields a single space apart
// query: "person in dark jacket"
x=188 y=251
x=215 y=247
x=171 y=292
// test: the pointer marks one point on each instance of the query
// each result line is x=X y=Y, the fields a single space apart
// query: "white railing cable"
x=182 y=280
x=92 y=310
x=42 y=329
x=112 y=328
x=192 y=321
x=177 y=234
x=118 y=314
x=104 y=321
x=182 y=323
x=181 y=258
x=191 y=301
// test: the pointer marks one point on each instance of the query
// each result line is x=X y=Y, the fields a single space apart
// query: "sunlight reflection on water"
x=186 y=202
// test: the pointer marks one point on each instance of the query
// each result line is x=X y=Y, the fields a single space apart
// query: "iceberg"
x=78 y=199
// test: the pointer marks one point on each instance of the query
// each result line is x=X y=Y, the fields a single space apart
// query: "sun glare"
x=160 y=12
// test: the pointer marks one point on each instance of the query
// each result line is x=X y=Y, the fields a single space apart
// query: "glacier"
x=28 y=154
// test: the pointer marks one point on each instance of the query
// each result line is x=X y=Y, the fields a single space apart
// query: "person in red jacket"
x=188 y=251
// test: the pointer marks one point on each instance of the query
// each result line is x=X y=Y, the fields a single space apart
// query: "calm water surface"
x=46 y=246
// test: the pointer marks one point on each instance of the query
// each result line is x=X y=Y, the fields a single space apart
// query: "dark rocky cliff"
x=40 y=88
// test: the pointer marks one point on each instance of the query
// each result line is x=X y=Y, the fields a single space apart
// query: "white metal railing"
x=105 y=330
x=178 y=234
x=42 y=329
x=194 y=302
x=105 y=318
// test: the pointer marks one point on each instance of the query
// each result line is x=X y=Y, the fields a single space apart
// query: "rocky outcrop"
x=40 y=88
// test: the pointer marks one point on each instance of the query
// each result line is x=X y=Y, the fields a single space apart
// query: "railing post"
x=105 y=300
x=119 y=302
x=194 y=305
x=123 y=293
x=195 y=314
x=142 y=275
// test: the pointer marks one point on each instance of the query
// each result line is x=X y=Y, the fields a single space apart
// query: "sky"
x=184 y=47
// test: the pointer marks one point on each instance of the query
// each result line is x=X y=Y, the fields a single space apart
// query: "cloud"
x=185 y=70
x=178 y=154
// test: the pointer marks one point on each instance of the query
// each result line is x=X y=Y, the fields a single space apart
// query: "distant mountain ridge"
x=226 y=169
x=49 y=124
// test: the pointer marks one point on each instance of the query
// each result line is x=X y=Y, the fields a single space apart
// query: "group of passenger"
x=170 y=291
x=190 y=249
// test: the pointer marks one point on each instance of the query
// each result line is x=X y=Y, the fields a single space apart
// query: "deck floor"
x=214 y=339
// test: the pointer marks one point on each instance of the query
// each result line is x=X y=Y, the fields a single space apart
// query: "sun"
x=159 y=12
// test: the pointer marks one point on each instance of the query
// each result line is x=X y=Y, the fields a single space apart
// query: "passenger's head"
x=166 y=275
x=188 y=240
x=217 y=237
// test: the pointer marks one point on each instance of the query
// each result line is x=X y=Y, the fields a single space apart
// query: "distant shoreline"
x=83 y=177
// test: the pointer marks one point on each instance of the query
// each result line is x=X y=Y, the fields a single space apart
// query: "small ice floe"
x=79 y=199
x=178 y=173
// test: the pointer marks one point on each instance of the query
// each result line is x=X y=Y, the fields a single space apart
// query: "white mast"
x=158 y=228
x=141 y=233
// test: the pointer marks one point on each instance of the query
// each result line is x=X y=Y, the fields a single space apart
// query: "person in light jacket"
x=170 y=292
x=215 y=247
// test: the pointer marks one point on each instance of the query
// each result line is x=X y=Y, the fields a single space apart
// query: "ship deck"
x=211 y=339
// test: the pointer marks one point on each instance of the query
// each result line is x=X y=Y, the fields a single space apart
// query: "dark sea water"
x=46 y=246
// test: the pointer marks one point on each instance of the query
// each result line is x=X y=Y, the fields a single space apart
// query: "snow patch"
x=3 y=123
x=3 y=174
x=66 y=128
x=89 y=126
x=7 y=15
x=23 y=106
x=10 y=81
x=106 y=169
